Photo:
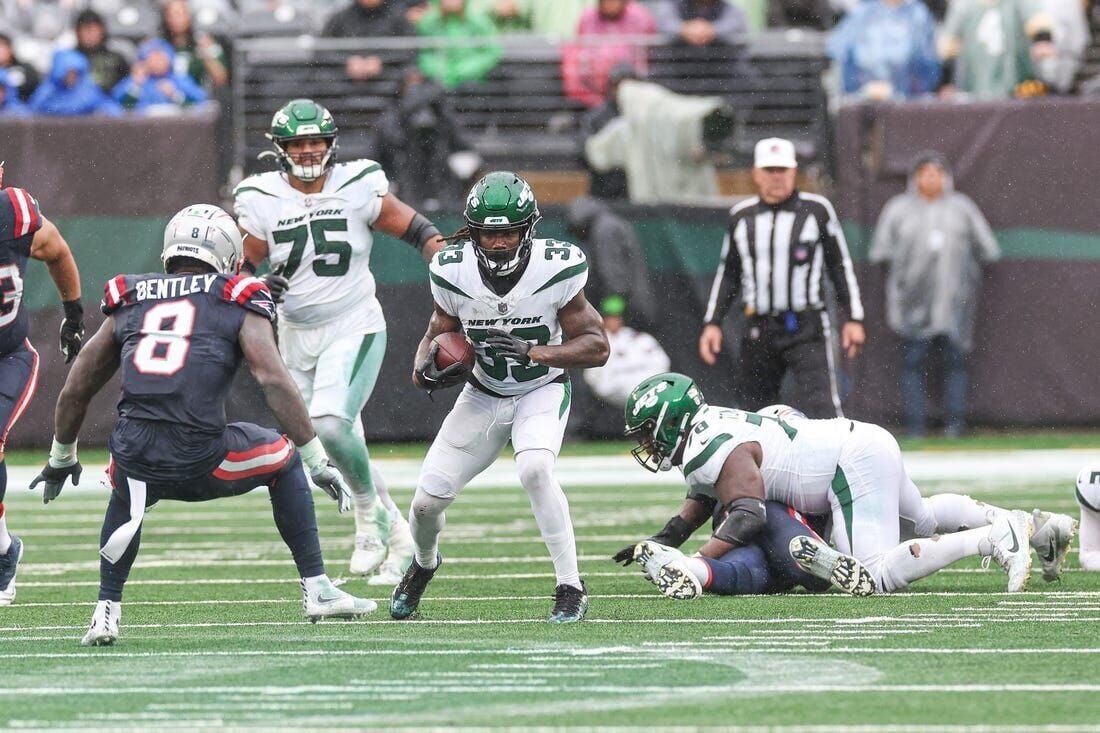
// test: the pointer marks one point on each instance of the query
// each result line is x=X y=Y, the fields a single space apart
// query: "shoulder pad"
x=250 y=293
x=258 y=183
x=19 y=214
x=363 y=171
x=118 y=293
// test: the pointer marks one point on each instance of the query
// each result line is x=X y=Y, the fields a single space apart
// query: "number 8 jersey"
x=321 y=240
x=555 y=273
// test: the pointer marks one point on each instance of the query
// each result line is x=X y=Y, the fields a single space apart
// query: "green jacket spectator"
x=986 y=38
x=455 y=60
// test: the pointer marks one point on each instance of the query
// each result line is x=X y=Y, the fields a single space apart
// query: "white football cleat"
x=666 y=568
x=1053 y=536
x=103 y=630
x=372 y=530
x=822 y=561
x=1010 y=536
x=367 y=556
x=9 y=564
x=328 y=601
x=398 y=556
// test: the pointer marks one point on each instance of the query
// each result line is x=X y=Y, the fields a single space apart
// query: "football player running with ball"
x=24 y=233
x=520 y=301
x=314 y=221
x=848 y=469
x=179 y=338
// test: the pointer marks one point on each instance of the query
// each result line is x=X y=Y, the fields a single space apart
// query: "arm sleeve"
x=985 y=243
x=727 y=280
x=838 y=263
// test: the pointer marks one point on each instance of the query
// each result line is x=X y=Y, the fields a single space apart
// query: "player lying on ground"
x=848 y=469
x=24 y=233
x=1088 y=499
x=179 y=338
x=521 y=302
x=767 y=565
x=314 y=220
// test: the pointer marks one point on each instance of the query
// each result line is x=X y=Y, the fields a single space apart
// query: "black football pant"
x=800 y=345
x=257 y=457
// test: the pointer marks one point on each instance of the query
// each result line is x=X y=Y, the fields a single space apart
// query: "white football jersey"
x=555 y=273
x=800 y=457
x=322 y=240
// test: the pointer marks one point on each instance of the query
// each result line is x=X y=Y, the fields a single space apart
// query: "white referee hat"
x=774 y=152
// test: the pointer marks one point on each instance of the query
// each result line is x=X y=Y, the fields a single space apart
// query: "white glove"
x=324 y=475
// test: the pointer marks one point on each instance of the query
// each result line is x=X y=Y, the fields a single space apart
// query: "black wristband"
x=74 y=310
x=420 y=231
x=675 y=532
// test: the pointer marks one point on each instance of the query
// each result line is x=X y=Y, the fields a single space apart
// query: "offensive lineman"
x=521 y=302
x=849 y=469
x=179 y=338
x=314 y=221
x=24 y=233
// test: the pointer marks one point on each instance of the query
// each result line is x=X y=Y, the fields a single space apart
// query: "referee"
x=778 y=246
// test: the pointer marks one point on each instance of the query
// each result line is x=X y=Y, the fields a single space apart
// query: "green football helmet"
x=299 y=119
x=502 y=201
x=658 y=413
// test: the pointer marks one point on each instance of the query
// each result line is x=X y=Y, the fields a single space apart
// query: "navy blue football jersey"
x=19 y=220
x=179 y=352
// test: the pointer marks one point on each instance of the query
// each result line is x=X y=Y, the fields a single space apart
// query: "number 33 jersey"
x=321 y=240
x=556 y=272
x=178 y=338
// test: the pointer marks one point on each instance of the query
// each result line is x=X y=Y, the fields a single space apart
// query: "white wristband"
x=62 y=454
x=313 y=453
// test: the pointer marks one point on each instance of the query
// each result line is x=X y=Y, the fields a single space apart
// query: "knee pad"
x=536 y=468
x=425 y=504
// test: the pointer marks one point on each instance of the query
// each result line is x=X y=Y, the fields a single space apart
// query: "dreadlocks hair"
x=461 y=235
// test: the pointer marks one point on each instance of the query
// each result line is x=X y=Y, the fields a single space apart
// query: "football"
x=453 y=347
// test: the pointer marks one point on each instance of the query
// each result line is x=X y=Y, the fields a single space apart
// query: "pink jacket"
x=585 y=68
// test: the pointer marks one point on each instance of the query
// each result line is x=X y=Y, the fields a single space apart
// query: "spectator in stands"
x=934 y=241
x=558 y=18
x=816 y=14
x=635 y=356
x=153 y=82
x=886 y=49
x=609 y=184
x=986 y=42
x=701 y=22
x=22 y=76
x=423 y=146
x=108 y=66
x=616 y=263
x=1059 y=36
x=70 y=90
x=10 y=104
x=197 y=54
x=586 y=66
x=368 y=19
x=455 y=61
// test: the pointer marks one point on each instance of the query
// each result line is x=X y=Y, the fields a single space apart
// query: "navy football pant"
x=18 y=379
x=256 y=457
x=766 y=565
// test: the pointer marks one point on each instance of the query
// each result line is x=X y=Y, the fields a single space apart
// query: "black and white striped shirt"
x=773 y=258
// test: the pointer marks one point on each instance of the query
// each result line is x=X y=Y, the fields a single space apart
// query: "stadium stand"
x=519 y=116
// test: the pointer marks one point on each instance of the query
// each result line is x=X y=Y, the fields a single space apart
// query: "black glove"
x=505 y=344
x=54 y=478
x=433 y=378
x=625 y=556
x=277 y=284
x=72 y=329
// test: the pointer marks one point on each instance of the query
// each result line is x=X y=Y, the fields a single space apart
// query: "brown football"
x=453 y=347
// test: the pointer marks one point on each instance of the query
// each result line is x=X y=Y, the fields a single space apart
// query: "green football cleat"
x=570 y=604
x=406 y=596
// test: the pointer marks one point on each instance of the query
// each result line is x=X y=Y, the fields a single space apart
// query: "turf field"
x=212 y=631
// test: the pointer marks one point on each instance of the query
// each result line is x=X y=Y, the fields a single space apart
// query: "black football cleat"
x=570 y=604
x=406 y=596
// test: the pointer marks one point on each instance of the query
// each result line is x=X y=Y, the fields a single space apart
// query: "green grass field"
x=213 y=636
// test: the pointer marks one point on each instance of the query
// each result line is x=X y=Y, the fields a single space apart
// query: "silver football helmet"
x=206 y=233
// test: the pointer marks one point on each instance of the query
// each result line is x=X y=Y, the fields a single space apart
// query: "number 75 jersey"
x=555 y=273
x=322 y=241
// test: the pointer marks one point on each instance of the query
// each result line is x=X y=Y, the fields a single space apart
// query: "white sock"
x=314 y=583
x=551 y=510
x=5 y=538
x=426 y=521
x=920 y=558
x=700 y=570
x=955 y=512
